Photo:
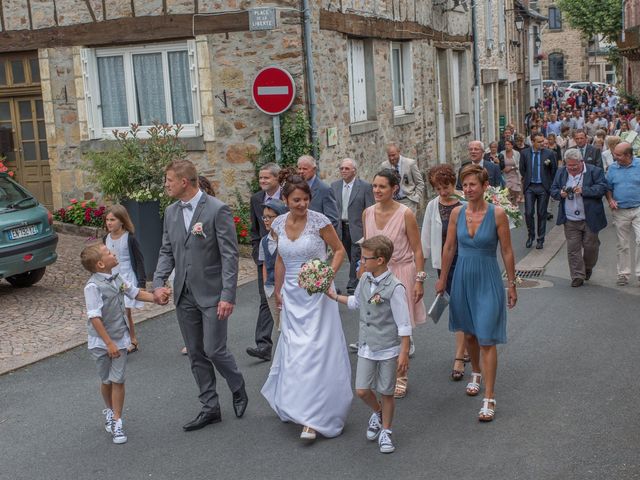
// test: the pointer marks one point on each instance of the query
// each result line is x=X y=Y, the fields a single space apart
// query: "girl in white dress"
x=310 y=378
x=121 y=241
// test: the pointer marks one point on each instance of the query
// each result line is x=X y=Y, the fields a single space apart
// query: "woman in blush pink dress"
x=397 y=222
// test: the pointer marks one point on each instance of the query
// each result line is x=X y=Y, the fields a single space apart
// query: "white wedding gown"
x=310 y=378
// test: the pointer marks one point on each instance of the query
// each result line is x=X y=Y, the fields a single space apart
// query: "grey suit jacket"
x=361 y=197
x=323 y=201
x=208 y=264
x=411 y=179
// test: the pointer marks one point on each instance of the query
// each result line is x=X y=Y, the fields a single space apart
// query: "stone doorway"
x=23 y=139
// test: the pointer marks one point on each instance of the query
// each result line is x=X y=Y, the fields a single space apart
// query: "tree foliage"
x=594 y=17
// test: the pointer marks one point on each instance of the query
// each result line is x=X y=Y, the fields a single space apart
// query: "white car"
x=577 y=86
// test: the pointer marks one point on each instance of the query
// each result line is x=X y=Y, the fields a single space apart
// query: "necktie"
x=346 y=190
x=112 y=277
x=186 y=205
x=582 y=152
x=536 y=165
x=396 y=195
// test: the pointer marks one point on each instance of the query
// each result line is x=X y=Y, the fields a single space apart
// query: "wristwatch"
x=421 y=276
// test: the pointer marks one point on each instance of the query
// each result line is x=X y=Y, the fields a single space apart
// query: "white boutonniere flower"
x=123 y=287
x=198 y=231
x=376 y=299
x=547 y=162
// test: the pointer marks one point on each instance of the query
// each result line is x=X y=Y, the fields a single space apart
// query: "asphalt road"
x=566 y=395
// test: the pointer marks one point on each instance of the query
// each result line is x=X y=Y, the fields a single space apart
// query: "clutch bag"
x=438 y=306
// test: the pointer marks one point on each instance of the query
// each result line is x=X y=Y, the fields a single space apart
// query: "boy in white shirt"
x=384 y=339
x=108 y=331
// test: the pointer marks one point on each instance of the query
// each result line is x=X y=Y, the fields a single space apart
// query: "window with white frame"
x=357 y=81
x=401 y=78
x=141 y=84
x=460 y=80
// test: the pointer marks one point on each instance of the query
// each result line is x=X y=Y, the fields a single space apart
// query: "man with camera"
x=579 y=187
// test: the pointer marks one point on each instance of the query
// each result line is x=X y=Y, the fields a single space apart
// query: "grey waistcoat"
x=114 y=316
x=378 y=330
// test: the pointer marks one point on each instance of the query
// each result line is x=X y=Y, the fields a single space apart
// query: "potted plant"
x=132 y=173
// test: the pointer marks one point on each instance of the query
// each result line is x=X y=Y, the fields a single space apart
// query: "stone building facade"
x=384 y=71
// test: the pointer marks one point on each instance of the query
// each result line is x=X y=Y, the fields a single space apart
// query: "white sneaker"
x=385 y=443
x=412 y=347
x=353 y=347
x=108 y=419
x=118 y=432
x=373 y=430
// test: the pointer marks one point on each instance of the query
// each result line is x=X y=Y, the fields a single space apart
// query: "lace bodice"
x=306 y=247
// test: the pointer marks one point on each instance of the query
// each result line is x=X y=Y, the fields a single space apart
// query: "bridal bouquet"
x=499 y=197
x=315 y=276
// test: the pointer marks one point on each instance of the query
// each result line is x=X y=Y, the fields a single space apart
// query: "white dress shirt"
x=577 y=204
x=275 y=196
x=346 y=194
x=187 y=213
x=400 y=310
x=94 y=303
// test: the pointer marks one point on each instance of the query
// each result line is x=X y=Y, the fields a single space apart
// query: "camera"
x=570 y=193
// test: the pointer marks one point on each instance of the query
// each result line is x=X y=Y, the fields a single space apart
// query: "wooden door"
x=22 y=127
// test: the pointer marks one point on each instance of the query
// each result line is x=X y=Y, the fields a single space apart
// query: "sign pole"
x=276 y=138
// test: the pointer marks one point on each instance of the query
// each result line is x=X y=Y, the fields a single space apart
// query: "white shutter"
x=488 y=24
x=195 y=84
x=91 y=94
x=357 y=85
x=502 y=42
x=407 y=72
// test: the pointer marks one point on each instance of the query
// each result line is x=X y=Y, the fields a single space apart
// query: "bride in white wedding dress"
x=310 y=378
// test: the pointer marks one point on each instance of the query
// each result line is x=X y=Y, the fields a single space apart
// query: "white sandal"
x=308 y=433
x=473 y=387
x=486 y=414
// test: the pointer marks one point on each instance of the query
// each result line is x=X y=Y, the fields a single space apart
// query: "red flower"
x=87 y=215
x=236 y=219
x=243 y=233
x=10 y=174
x=83 y=204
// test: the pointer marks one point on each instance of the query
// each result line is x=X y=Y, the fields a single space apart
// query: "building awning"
x=530 y=13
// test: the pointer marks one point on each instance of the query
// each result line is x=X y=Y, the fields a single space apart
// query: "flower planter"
x=71 y=229
x=148 y=223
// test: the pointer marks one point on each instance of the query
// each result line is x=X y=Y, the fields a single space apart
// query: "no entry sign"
x=273 y=90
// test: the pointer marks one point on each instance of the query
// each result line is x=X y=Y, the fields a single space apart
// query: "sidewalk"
x=49 y=317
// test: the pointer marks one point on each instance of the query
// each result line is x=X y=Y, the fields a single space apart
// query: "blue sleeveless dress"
x=478 y=299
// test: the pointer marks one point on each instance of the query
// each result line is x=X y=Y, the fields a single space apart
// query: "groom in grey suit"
x=199 y=241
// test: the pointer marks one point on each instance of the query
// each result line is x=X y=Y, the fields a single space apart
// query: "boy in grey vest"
x=385 y=330
x=108 y=331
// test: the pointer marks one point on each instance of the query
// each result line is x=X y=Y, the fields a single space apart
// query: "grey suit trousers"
x=206 y=340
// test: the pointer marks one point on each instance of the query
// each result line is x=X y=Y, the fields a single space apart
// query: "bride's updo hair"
x=290 y=181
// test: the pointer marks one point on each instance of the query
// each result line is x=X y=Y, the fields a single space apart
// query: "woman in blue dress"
x=478 y=302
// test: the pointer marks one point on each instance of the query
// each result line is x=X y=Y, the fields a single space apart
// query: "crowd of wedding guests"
x=372 y=225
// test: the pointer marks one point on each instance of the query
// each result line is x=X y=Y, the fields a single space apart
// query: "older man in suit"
x=199 y=241
x=538 y=168
x=269 y=190
x=590 y=154
x=353 y=195
x=476 y=156
x=411 y=188
x=322 y=198
x=580 y=188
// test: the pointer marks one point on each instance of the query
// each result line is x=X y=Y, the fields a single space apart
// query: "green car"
x=27 y=239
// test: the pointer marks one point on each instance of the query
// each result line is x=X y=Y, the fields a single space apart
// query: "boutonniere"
x=406 y=179
x=123 y=287
x=547 y=162
x=197 y=230
x=376 y=299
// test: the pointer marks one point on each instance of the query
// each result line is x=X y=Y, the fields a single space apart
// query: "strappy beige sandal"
x=487 y=414
x=473 y=387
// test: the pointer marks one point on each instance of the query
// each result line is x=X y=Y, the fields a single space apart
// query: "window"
x=401 y=78
x=533 y=5
x=362 y=101
x=488 y=22
x=556 y=66
x=142 y=85
x=460 y=79
x=555 y=20
x=610 y=73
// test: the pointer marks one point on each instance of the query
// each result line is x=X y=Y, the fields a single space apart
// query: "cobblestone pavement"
x=49 y=317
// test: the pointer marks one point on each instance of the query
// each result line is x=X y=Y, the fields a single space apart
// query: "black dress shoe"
x=351 y=290
x=261 y=353
x=202 y=420
x=539 y=245
x=577 y=282
x=549 y=216
x=529 y=243
x=240 y=401
x=588 y=273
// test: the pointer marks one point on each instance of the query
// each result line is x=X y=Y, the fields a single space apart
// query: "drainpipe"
x=476 y=70
x=311 y=84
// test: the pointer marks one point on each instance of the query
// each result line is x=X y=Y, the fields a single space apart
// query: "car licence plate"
x=21 y=232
